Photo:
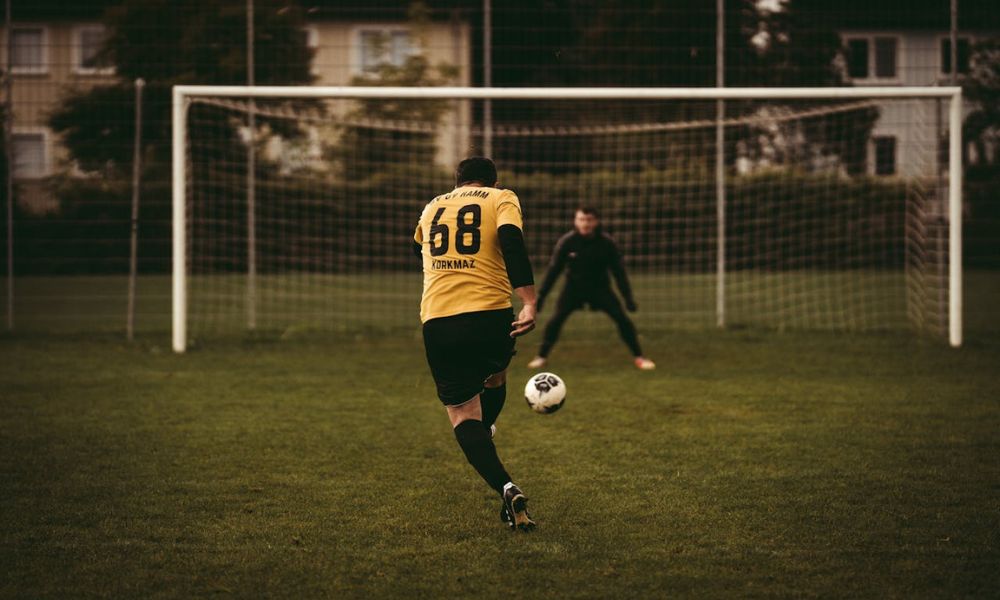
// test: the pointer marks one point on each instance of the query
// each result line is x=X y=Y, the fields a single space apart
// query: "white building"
x=909 y=138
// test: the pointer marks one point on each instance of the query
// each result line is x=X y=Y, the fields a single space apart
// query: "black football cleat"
x=505 y=517
x=515 y=504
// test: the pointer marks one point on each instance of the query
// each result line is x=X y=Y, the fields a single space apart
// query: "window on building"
x=29 y=154
x=964 y=55
x=89 y=43
x=885 y=56
x=310 y=37
x=857 y=58
x=885 y=155
x=28 y=50
x=384 y=47
x=401 y=48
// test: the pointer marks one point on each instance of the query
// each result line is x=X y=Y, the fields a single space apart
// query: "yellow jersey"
x=464 y=269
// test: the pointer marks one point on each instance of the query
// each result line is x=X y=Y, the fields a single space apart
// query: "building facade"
x=52 y=57
x=910 y=137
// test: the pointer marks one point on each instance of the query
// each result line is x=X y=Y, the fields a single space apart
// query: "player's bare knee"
x=471 y=410
x=496 y=380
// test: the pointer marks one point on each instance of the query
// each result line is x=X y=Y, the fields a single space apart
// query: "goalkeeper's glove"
x=631 y=305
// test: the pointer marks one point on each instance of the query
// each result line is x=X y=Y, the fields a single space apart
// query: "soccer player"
x=587 y=254
x=473 y=253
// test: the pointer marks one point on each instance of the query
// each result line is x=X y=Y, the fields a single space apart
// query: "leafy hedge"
x=982 y=224
x=662 y=219
x=776 y=220
x=91 y=231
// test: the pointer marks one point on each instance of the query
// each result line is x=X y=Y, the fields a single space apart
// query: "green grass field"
x=294 y=304
x=750 y=464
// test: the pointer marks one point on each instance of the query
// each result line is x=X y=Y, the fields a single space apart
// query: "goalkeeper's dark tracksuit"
x=587 y=261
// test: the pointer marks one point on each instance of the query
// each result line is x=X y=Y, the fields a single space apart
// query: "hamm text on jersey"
x=465 y=194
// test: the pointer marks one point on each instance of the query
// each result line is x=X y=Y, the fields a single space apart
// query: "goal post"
x=627 y=139
x=955 y=218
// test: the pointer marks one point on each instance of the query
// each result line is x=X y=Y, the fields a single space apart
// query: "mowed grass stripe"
x=296 y=304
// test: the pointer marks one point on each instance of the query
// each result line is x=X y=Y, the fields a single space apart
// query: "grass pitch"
x=386 y=303
x=748 y=465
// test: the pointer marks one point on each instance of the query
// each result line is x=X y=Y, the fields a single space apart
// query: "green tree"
x=982 y=89
x=165 y=43
x=982 y=179
x=168 y=44
x=667 y=43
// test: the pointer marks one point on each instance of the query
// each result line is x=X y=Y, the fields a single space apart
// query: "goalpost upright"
x=955 y=218
x=183 y=94
x=179 y=213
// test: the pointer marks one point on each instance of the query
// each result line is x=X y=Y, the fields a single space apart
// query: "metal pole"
x=955 y=173
x=487 y=77
x=458 y=147
x=941 y=218
x=720 y=169
x=954 y=42
x=8 y=128
x=251 y=183
x=133 y=266
x=179 y=225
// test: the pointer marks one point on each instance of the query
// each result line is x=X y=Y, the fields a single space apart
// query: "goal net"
x=809 y=209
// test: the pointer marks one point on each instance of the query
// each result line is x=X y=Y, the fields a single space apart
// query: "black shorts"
x=464 y=350
x=595 y=299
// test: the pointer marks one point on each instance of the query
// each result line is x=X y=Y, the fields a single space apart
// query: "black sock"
x=481 y=453
x=492 y=400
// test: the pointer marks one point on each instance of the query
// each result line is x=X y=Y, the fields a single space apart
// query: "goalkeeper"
x=588 y=254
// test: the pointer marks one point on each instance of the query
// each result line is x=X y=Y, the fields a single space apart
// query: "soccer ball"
x=545 y=393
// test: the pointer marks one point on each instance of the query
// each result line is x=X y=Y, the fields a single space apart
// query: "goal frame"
x=182 y=95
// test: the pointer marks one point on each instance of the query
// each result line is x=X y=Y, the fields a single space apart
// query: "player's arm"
x=526 y=318
x=621 y=278
x=515 y=258
x=556 y=266
x=417 y=245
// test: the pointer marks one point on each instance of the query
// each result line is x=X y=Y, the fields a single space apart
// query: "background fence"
x=70 y=103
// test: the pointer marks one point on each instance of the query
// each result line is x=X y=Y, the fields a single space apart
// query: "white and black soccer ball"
x=545 y=393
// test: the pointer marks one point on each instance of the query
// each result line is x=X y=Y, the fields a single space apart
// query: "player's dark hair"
x=589 y=210
x=477 y=169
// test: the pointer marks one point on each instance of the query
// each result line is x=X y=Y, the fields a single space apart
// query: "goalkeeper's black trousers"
x=604 y=300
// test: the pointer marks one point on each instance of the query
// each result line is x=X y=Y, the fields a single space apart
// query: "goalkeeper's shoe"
x=515 y=504
x=538 y=362
x=644 y=364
